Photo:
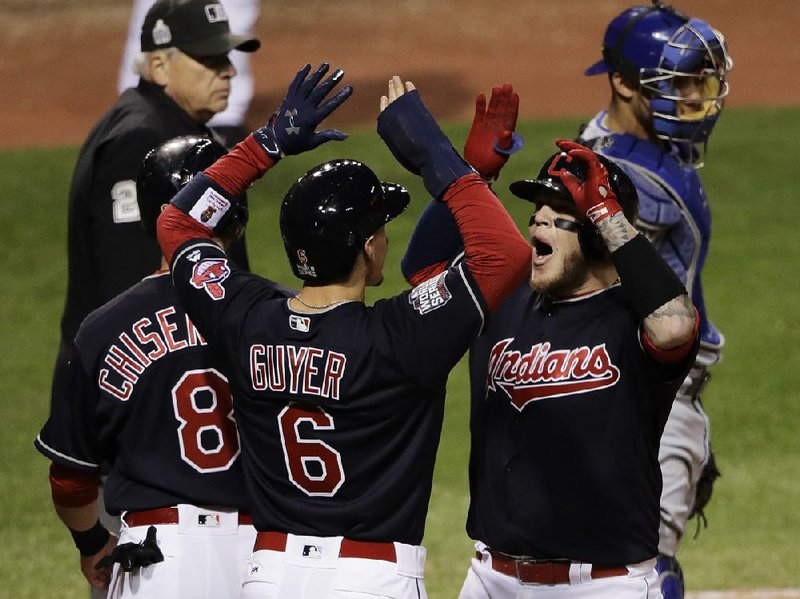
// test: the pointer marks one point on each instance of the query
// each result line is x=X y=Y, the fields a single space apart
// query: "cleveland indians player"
x=668 y=78
x=340 y=405
x=147 y=397
x=572 y=383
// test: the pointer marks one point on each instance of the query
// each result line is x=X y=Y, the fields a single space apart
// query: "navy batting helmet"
x=330 y=212
x=653 y=47
x=168 y=167
x=548 y=190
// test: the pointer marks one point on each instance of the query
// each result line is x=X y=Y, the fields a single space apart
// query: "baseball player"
x=668 y=79
x=572 y=382
x=340 y=405
x=147 y=397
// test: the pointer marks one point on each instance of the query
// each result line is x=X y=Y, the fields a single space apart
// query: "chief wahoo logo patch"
x=209 y=274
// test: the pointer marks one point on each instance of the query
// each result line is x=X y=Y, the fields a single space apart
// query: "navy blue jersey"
x=567 y=414
x=340 y=411
x=146 y=398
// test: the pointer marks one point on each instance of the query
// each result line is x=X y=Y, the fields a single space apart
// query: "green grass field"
x=753 y=400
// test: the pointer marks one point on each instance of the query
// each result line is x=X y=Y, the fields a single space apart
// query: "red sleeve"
x=496 y=253
x=674 y=354
x=72 y=488
x=237 y=170
x=176 y=228
x=428 y=272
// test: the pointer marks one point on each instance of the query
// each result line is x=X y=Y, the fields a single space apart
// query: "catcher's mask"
x=656 y=49
x=548 y=190
x=167 y=168
x=328 y=215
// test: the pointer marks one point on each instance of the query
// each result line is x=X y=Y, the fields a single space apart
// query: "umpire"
x=185 y=80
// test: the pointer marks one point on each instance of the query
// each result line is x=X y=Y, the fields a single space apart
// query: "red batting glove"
x=491 y=138
x=593 y=196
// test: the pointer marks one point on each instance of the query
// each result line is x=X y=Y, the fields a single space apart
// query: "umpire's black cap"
x=196 y=27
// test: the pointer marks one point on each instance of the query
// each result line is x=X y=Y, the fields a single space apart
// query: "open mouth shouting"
x=541 y=251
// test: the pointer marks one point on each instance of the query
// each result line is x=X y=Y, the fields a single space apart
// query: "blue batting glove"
x=292 y=129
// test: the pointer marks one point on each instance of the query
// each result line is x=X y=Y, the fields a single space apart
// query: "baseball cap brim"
x=601 y=66
x=534 y=189
x=219 y=44
x=395 y=200
x=544 y=193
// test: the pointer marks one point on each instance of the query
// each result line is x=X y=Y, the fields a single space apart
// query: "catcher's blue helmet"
x=652 y=47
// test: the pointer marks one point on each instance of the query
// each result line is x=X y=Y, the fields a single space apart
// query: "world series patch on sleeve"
x=430 y=295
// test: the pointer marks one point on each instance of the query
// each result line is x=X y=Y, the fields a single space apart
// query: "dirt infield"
x=60 y=59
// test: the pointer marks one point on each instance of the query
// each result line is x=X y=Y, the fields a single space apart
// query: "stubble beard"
x=574 y=274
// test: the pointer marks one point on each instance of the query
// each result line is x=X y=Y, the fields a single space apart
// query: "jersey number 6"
x=313 y=466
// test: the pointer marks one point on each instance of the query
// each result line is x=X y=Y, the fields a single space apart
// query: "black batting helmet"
x=547 y=189
x=328 y=215
x=168 y=167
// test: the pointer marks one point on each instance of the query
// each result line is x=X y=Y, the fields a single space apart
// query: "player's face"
x=200 y=85
x=558 y=267
x=378 y=248
x=700 y=93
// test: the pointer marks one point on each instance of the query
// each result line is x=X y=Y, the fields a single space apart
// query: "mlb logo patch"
x=299 y=323
x=208 y=519
x=208 y=274
x=215 y=13
x=430 y=295
x=312 y=551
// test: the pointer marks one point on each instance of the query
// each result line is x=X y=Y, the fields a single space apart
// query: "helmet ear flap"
x=592 y=245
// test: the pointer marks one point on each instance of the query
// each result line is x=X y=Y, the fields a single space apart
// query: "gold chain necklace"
x=330 y=305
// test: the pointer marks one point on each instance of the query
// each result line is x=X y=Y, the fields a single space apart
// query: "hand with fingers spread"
x=492 y=138
x=594 y=195
x=292 y=129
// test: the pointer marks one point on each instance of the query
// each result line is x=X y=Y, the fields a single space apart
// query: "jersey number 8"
x=208 y=436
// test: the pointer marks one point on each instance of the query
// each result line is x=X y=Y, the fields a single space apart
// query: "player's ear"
x=369 y=248
x=620 y=87
x=158 y=67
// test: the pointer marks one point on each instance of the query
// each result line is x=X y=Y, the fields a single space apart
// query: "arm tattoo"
x=616 y=231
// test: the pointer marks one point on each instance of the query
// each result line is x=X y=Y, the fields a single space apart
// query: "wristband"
x=517 y=141
x=203 y=200
x=647 y=280
x=416 y=141
x=90 y=541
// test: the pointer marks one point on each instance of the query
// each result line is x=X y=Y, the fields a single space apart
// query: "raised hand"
x=593 y=196
x=415 y=139
x=292 y=129
x=396 y=89
x=492 y=139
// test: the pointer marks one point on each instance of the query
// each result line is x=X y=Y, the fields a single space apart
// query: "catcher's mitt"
x=705 y=487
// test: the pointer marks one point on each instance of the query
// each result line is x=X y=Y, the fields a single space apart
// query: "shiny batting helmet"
x=548 y=190
x=328 y=215
x=654 y=48
x=167 y=168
